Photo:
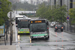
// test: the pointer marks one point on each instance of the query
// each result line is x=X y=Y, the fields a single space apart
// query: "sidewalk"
x=9 y=47
x=69 y=31
x=13 y=46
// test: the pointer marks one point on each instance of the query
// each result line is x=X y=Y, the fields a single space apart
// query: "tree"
x=41 y=11
x=60 y=13
x=57 y=13
x=72 y=15
x=5 y=8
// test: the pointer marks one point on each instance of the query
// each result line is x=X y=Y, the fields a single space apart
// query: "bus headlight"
x=18 y=31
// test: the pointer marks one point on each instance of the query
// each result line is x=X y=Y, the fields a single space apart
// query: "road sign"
x=68 y=17
x=12 y=14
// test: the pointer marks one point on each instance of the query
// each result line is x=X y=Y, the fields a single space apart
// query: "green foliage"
x=72 y=15
x=54 y=13
x=5 y=8
x=41 y=11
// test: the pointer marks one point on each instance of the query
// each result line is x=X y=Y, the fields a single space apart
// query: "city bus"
x=39 y=29
x=23 y=26
x=17 y=17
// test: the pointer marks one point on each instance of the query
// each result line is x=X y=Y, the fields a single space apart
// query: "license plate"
x=38 y=36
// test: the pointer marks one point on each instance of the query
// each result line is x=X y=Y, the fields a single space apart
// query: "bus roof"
x=37 y=19
x=19 y=16
x=24 y=19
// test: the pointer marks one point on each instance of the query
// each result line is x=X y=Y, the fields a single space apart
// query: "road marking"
x=59 y=35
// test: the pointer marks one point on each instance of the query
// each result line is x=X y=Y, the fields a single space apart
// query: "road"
x=57 y=41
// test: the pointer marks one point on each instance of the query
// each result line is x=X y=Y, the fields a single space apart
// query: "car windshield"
x=41 y=27
x=23 y=24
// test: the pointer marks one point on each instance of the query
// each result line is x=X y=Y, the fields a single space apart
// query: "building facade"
x=68 y=3
x=34 y=2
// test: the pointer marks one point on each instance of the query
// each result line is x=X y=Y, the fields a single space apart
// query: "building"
x=14 y=1
x=68 y=3
x=35 y=2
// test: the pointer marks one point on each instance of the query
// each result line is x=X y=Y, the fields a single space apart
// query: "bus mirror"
x=47 y=23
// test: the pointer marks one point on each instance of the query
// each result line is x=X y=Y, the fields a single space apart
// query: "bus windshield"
x=41 y=27
x=23 y=24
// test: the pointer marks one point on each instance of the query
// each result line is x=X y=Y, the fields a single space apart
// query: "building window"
x=54 y=2
x=60 y=2
x=71 y=3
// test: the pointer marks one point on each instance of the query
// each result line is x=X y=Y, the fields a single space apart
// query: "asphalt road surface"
x=57 y=41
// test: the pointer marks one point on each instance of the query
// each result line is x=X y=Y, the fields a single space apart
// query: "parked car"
x=59 y=27
x=52 y=24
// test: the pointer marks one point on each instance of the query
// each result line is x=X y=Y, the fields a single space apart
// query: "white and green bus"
x=23 y=26
x=39 y=29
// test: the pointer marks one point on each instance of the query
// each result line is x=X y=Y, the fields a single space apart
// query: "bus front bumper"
x=40 y=36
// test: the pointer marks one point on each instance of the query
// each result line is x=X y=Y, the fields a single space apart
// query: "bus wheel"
x=61 y=30
x=47 y=38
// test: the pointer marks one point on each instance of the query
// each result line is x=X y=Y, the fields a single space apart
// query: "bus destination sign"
x=38 y=21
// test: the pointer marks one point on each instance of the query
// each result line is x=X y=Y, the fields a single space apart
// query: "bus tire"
x=61 y=30
x=47 y=38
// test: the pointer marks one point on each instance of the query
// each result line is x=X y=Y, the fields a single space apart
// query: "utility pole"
x=16 y=7
x=51 y=4
x=10 y=28
x=67 y=15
